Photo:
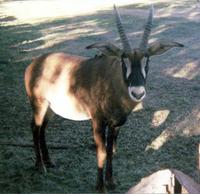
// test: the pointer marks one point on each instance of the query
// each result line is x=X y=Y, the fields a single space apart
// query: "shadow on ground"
x=76 y=169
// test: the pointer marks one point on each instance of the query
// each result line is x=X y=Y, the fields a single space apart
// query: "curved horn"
x=124 y=39
x=147 y=31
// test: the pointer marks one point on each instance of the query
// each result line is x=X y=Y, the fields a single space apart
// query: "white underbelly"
x=67 y=107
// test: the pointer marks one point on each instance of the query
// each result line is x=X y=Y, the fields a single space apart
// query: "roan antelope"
x=104 y=89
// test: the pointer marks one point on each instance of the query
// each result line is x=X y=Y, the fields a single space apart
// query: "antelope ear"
x=159 y=47
x=106 y=48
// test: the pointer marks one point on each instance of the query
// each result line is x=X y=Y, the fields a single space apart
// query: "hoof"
x=100 y=188
x=110 y=185
x=40 y=167
x=50 y=164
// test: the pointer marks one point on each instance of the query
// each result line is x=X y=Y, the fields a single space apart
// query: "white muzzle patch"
x=137 y=94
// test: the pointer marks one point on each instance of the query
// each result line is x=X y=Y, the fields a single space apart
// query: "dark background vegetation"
x=173 y=85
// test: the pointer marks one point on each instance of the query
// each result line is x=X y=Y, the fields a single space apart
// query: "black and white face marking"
x=135 y=69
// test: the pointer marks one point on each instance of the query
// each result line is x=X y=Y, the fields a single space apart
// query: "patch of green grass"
x=76 y=166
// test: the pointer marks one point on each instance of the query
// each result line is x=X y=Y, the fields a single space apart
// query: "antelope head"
x=135 y=61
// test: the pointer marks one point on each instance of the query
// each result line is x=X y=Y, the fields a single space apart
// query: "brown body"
x=97 y=91
x=95 y=85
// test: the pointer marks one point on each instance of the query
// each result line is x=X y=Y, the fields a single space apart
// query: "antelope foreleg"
x=109 y=151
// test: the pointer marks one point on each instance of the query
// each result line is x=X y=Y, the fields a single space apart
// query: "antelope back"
x=49 y=78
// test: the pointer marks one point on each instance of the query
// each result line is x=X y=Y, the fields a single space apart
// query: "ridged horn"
x=124 y=39
x=147 y=30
